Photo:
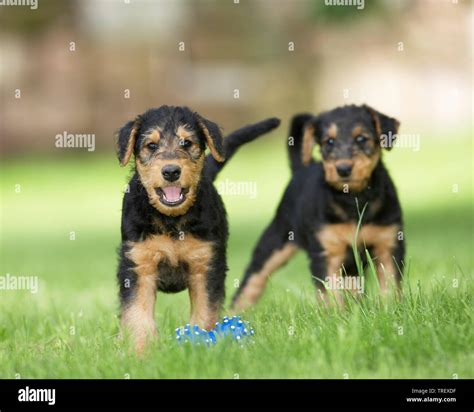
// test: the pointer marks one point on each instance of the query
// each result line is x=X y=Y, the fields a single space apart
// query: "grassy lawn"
x=69 y=328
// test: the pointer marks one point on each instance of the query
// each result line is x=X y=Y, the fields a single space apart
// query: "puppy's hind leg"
x=273 y=250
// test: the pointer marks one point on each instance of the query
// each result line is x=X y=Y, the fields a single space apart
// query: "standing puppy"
x=322 y=204
x=174 y=226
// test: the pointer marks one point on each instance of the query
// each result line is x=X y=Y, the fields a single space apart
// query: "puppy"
x=174 y=226
x=325 y=201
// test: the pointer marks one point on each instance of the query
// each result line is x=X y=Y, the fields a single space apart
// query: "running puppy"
x=174 y=226
x=323 y=203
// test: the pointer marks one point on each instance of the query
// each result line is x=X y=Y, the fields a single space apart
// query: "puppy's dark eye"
x=152 y=146
x=185 y=143
x=330 y=141
x=360 y=139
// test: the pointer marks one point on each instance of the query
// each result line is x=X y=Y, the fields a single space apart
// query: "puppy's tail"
x=236 y=139
x=296 y=143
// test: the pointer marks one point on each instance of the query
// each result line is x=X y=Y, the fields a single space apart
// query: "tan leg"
x=334 y=241
x=137 y=317
x=383 y=241
x=333 y=297
x=386 y=271
x=203 y=313
x=257 y=281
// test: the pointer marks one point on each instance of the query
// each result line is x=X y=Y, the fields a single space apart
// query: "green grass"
x=69 y=328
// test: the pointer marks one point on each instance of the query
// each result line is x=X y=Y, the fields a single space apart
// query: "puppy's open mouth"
x=171 y=195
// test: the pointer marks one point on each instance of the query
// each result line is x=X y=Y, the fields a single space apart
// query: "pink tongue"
x=172 y=193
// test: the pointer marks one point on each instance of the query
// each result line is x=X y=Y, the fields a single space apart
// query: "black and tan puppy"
x=322 y=204
x=174 y=226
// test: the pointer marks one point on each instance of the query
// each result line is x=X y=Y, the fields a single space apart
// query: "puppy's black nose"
x=171 y=172
x=344 y=170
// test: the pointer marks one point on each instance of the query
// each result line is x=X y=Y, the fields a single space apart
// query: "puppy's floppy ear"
x=386 y=127
x=126 y=139
x=213 y=136
x=310 y=138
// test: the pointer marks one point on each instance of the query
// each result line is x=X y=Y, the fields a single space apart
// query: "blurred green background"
x=409 y=59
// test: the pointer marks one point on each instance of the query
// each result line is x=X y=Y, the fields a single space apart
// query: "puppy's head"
x=350 y=140
x=169 y=144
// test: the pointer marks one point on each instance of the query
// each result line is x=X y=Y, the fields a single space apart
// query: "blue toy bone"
x=234 y=327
